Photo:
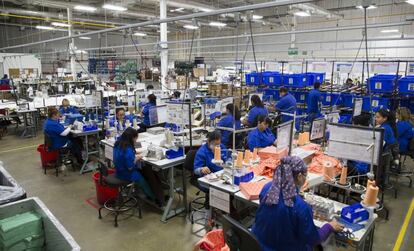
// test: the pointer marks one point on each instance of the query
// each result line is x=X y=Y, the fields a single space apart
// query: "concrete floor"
x=67 y=196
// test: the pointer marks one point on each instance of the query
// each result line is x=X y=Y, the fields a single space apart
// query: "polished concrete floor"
x=72 y=200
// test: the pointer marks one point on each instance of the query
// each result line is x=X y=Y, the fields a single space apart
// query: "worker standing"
x=286 y=104
x=314 y=100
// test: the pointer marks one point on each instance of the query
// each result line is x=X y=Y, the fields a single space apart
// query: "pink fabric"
x=212 y=241
x=266 y=167
x=311 y=147
x=326 y=165
x=252 y=189
x=273 y=152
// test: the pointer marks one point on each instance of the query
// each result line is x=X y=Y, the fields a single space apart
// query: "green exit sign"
x=293 y=51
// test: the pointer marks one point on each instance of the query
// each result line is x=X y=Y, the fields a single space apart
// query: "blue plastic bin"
x=253 y=79
x=272 y=78
x=409 y=103
x=172 y=154
x=271 y=93
x=347 y=99
x=377 y=102
x=296 y=80
x=301 y=96
x=330 y=98
x=316 y=77
x=354 y=213
x=406 y=85
x=382 y=83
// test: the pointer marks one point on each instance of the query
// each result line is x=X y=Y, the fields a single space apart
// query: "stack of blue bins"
x=315 y=77
x=296 y=80
x=377 y=103
x=253 y=79
x=383 y=83
x=272 y=78
x=406 y=85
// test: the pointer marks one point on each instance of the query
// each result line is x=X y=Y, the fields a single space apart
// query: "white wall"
x=20 y=61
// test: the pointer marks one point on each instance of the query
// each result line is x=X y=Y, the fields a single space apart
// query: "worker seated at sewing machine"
x=203 y=164
x=229 y=121
x=121 y=121
x=281 y=205
x=66 y=108
x=257 y=109
x=262 y=136
x=152 y=102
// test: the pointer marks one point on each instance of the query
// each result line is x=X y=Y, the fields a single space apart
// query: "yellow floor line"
x=403 y=229
x=17 y=149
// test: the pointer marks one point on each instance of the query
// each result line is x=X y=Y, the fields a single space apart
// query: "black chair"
x=63 y=155
x=237 y=237
x=402 y=171
x=200 y=202
x=125 y=200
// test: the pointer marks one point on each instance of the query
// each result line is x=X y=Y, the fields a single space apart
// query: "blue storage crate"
x=354 y=213
x=406 y=85
x=316 y=77
x=330 y=98
x=382 y=83
x=253 y=78
x=301 y=96
x=272 y=78
x=347 y=99
x=409 y=103
x=377 y=103
x=296 y=80
x=270 y=93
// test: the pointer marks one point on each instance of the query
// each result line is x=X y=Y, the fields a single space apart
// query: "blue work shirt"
x=68 y=110
x=313 y=101
x=53 y=128
x=286 y=104
x=282 y=228
x=227 y=121
x=389 y=136
x=405 y=134
x=127 y=117
x=361 y=167
x=145 y=112
x=124 y=161
x=203 y=158
x=254 y=113
x=258 y=139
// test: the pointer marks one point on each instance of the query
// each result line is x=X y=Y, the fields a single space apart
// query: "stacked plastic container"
x=296 y=80
x=383 y=83
x=253 y=79
x=272 y=78
x=406 y=85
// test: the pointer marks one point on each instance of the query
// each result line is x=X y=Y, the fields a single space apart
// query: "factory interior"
x=239 y=125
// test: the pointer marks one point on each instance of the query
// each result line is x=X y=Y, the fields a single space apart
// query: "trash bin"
x=47 y=156
x=10 y=190
x=104 y=192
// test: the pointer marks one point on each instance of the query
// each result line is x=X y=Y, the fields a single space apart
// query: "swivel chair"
x=237 y=237
x=62 y=153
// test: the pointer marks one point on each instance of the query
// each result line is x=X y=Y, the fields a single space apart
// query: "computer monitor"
x=317 y=130
x=357 y=110
x=158 y=115
x=284 y=135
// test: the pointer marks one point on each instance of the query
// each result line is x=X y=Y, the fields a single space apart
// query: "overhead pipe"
x=167 y=20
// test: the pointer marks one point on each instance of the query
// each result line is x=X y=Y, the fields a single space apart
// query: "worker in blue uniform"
x=60 y=136
x=286 y=104
x=66 y=108
x=404 y=128
x=230 y=120
x=152 y=102
x=314 y=99
x=127 y=162
x=120 y=119
x=386 y=120
x=256 y=110
x=284 y=221
x=261 y=136
x=5 y=83
x=205 y=154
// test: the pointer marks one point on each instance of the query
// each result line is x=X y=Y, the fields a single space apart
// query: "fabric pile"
x=266 y=167
x=311 y=147
x=212 y=241
x=326 y=165
x=252 y=189
x=273 y=152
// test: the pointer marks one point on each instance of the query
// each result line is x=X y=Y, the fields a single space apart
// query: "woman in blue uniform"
x=257 y=110
x=60 y=137
x=205 y=154
x=152 y=102
x=66 y=108
x=404 y=128
x=229 y=121
x=120 y=118
x=284 y=221
x=127 y=161
x=286 y=104
x=386 y=120
x=262 y=136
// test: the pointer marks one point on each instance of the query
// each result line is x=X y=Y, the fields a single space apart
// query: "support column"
x=163 y=44
x=71 y=46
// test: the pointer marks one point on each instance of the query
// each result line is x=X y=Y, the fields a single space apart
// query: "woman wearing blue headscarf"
x=284 y=221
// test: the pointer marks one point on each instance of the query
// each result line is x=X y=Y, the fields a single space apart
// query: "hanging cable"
x=254 y=52
x=357 y=55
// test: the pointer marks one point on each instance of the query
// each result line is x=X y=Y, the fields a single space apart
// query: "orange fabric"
x=303 y=138
x=326 y=165
x=311 y=147
x=212 y=241
x=252 y=189
x=266 y=167
x=273 y=152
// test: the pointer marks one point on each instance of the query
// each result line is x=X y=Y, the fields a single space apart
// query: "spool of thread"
x=247 y=156
x=303 y=138
x=217 y=153
x=370 y=183
x=371 y=195
x=344 y=175
x=328 y=171
x=255 y=153
x=239 y=160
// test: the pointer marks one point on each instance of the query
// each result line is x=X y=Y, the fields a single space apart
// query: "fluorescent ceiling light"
x=205 y=9
x=257 y=17
x=114 y=7
x=368 y=8
x=190 y=27
x=390 y=31
x=85 y=8
x=85 y=38
x=140 y=34
x=81 y=51
x=217 y=24
x=41 y=27
x=58 y=24
x=177 y=10
x=410 y=2
x=301 y=14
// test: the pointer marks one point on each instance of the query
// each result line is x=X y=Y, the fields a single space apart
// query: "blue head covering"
x=283 y=181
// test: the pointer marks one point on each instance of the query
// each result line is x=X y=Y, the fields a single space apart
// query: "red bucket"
x=47 y=156
x=104 y=192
